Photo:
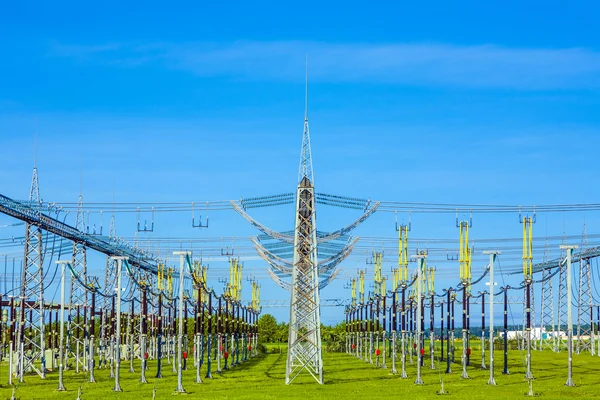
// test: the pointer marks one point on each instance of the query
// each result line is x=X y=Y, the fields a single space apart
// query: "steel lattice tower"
x=32 y=292
x=78 y=295
x=547 y=313
x=584 y=310
x=309 y=257
x=110 y=273
x=547 y=307
x=584 y=302
x=110 y=280
x=304 y=341
x=562 y=305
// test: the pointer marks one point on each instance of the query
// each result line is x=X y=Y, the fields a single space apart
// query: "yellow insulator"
x=430 y=280
x=465 y=252
x=361 y=286
x=161 y=276
x=527 y=223
x=170 y=280
x=403 y=257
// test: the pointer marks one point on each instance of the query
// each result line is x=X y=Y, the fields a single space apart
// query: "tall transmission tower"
x=547 y=308
x=110 y=272
x=562 y=304
x=309 y=257
x=110 y=279
x=585 y=338
x=304 y=341
x=32 y=293
x=78 y=296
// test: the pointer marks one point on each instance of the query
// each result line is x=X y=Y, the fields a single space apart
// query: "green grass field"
x=346 y=377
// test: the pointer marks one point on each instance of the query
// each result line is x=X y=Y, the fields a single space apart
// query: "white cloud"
x=480 y=66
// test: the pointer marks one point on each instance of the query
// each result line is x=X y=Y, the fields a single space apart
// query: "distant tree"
x=267 y=328
x=282 y=332
x=333 y=337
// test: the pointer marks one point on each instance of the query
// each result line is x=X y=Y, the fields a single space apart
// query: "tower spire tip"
x=306 y=92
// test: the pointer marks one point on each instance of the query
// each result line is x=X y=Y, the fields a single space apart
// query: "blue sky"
x=428 y=101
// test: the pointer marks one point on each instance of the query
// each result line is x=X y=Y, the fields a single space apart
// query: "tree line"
x=333 y=337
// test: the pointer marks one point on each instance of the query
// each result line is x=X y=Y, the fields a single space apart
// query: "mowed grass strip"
x=346 y=377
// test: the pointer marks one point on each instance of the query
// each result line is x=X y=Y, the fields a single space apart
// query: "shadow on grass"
x=273 y=367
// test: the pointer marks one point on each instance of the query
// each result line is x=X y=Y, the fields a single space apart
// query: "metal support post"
x=91 y=359
x=569 y=250
x=463 y=358
x=159 y=339
x=431 y=333
x=12 y=341
x=411 y=330
x=117 y=387
x=528 y=374
x=371 y=328
x=394 y=329
x=442 y=330
x=219 y=348
x=226 y=329
x=376 y=331
x=403 y=374
x=421 y=259
x=130 y=334
x=237 y=334
x=199 y=326
x=61 y=386
x=185 y=335
x=173 y=344
x=493 y=255
x=208 y=336
x=453 y=297
x=112 y=335
x=483 y=329
x=448 y=334
x=384 y=336
x=144 y=323
x=505 y=370
x=182 y=257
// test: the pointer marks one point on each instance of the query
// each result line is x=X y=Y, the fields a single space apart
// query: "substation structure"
x=143 y=310
x=305 y=260
x=395 y=328
x=136 y=312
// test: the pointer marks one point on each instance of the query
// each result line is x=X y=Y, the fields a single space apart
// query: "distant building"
x=537 y=333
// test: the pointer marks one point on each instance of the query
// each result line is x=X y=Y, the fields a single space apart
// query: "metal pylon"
x=304 y=267
x=532 y=294
x=110 y=279
x=585 y=341
x=110 y=273
x=547 y=312
x=32 y=294
x=562 y=309
x=304 y=349
x=78 y=298
x=585 y=338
